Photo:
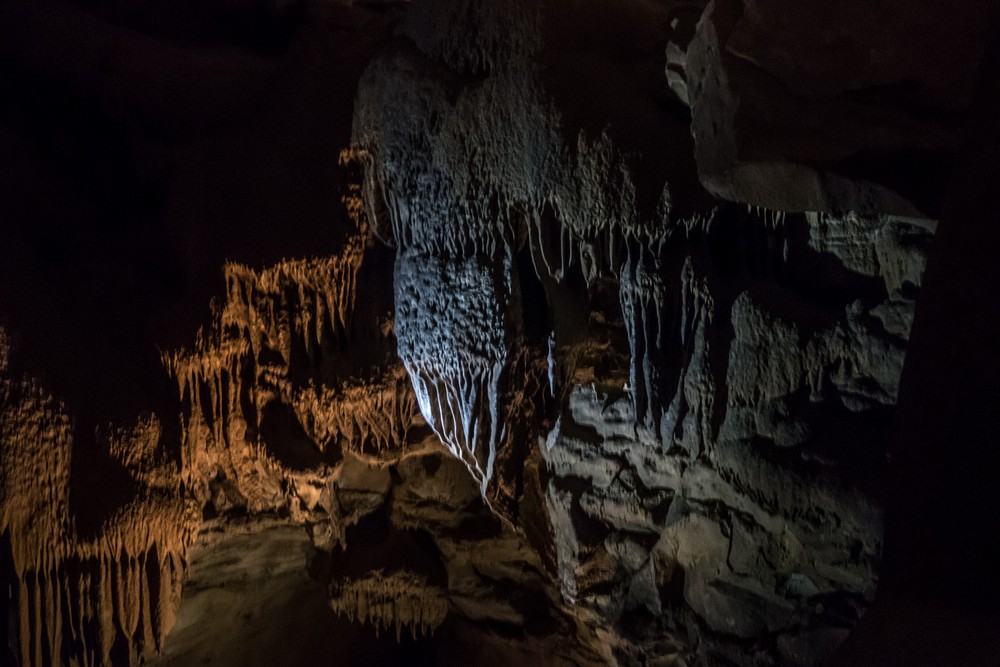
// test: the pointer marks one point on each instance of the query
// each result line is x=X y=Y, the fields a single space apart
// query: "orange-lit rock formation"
x=92 y=586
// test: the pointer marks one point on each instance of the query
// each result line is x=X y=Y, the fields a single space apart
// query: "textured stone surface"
x=549 y=392
x=96 y=581
x=717 y=475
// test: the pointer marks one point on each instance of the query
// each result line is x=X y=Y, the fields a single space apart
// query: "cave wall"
x=596 y=363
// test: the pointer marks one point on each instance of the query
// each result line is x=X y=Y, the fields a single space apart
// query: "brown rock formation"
x=90 y=588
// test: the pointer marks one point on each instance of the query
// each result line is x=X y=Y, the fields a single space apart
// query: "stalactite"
x=690 y=411
x=75 y=592
x=464 y=411
x=454 y=335
x=65 y=618
x=366 y=417
x=394 y=600
x=771 y=217
x=244 y=361
x=644 y=298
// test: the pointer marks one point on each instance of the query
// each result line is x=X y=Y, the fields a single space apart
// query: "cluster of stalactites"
x=483 y=227
x=305 y=300
x=296 y=305
x=36 y=437
x=453 y=284
x=73 y=610
x=77 y=596
x=494 y=226
x=644 y=306
x=394 y=600
x=429 y=190
x=455 y=330
x=463 y=410
x=772 y=219
x=210 y=384
x=365 y=417
x=220 y=397
x=309 y=299
x=664 y=315
x=556 y=248
x=601 y=245
x=585 y=217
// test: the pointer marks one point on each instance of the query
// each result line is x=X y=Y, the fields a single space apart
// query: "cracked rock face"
x=590 y=373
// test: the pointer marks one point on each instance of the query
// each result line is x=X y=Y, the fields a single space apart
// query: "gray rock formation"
x=723 y=491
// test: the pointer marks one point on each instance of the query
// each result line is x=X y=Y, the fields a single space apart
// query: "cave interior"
x=499 y=332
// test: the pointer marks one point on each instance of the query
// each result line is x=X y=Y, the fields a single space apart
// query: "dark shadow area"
x=211 y=134
x=920 y=176
x=250 y=601
x=284 y=438
x=603 y=64
x=939 y=601
x=535 y=314
x=382 y=547
x=98 y=487
x=9 y=589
